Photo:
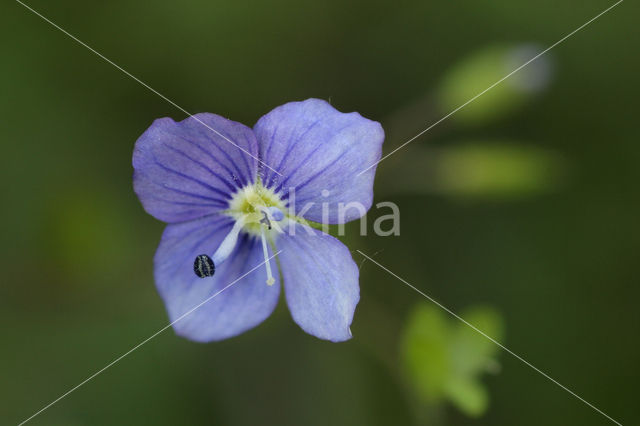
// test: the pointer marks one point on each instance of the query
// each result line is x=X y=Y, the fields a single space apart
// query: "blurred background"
x=519 y=213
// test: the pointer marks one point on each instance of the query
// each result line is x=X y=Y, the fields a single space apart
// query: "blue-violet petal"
x=184 y=170
x=317 y=148
x=235 y=310
x=320 y=282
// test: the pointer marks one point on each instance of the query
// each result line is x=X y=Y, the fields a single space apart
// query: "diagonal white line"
x=145 y=341
x=493 y=340
x=147 y=86
x=492 y=86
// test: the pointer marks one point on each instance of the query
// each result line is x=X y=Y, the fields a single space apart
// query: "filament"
x=265 y=251
x=229 y=242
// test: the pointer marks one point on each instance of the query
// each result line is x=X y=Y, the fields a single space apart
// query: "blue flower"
x=227 y=203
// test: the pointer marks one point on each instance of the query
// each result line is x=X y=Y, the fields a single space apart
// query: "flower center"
x=256 y=201
x=256 y=210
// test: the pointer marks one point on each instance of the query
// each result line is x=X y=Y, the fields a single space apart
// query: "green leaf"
x=444 y=358
x=468 y=395
x=424 y=351
x=471 y=352
x=495 y=169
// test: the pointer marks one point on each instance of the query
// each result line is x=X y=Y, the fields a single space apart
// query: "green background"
x=544 y=230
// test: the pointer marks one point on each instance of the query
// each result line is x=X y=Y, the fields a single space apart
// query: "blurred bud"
x=483 y=69
x=443 y=358
x=535 y=76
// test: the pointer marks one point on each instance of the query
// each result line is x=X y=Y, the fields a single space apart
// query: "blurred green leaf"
x=471 y=352
x=483 y=69
x=443 y=358
x=468 y=395
x=496 y=170
x=479 y=169
x=424 y=350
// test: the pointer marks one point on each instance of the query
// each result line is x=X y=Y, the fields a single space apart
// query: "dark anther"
x=266 y=220
x=203 y=266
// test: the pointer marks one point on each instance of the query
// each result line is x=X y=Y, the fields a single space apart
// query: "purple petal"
x=320 y=283
x=242 y=306
x=184 y=170
x=316 y=148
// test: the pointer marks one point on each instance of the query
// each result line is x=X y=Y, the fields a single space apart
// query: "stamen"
x=203 y=266
x=229 y=242
x=272 y=213
x=266 y=220
x=265 y=251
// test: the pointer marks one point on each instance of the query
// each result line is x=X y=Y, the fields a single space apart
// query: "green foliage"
x=444 y=358
x=496 y=170
x=86 y=228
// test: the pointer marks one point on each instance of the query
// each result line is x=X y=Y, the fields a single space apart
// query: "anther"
x=266 y=220
x=209 y=264
x=203 y=266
